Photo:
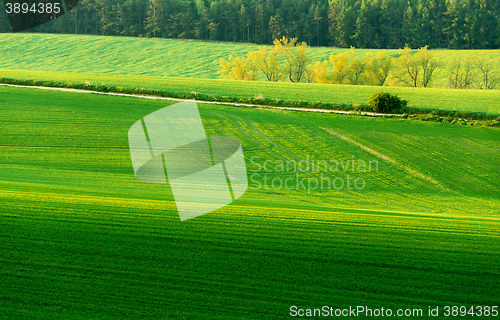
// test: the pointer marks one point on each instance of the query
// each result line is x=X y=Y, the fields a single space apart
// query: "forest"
x=380 y=24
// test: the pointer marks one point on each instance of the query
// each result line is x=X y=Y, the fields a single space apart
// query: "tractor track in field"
x=234 y=104
x=383 y=157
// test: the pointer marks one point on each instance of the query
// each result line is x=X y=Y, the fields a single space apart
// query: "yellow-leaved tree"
x=268 y=63
x=288 y=60
x=378 y=68
x=321 y=73
x=415 y=69
x=340 y=66
x=296 y=59
x=346 y=68
x=424 y=60
x=408 y=71
x=357 y=69
x=238 y=68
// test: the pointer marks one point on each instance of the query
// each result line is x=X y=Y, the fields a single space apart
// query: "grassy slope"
x=122 y=55
x=153 y=57
x=82 y=238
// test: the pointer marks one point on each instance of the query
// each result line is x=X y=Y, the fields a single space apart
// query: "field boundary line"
x=383 y=157
x=235 y=104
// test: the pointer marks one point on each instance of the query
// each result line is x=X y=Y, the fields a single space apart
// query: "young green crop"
x=83 y=239
x=162 y=57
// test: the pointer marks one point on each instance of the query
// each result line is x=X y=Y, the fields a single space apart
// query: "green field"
x=83 y=239
x=156 y=57
x=164 y=65
x=123 y=55
x=487 y=101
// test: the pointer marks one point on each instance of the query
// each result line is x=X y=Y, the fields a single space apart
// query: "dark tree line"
x=454 y=24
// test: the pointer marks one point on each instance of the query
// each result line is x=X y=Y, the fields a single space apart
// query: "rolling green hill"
x=152 y=57
x=83 y=239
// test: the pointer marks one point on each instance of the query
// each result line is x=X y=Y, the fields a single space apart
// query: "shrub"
x=385 y=102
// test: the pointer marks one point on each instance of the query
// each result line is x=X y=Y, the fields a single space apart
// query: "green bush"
x=385 y=102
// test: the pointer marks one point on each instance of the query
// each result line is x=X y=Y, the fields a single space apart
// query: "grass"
x=179 y=66
x=122 y=55
x=157 y=57
x=83 y=239
x=451 y=101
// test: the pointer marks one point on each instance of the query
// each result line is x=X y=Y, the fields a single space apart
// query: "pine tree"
x=408 y=26
x=456 y=24
x=362 y=36
x=154 y=20
x=276 y=27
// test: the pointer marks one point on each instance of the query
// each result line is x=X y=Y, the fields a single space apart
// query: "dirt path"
x=383 y=157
